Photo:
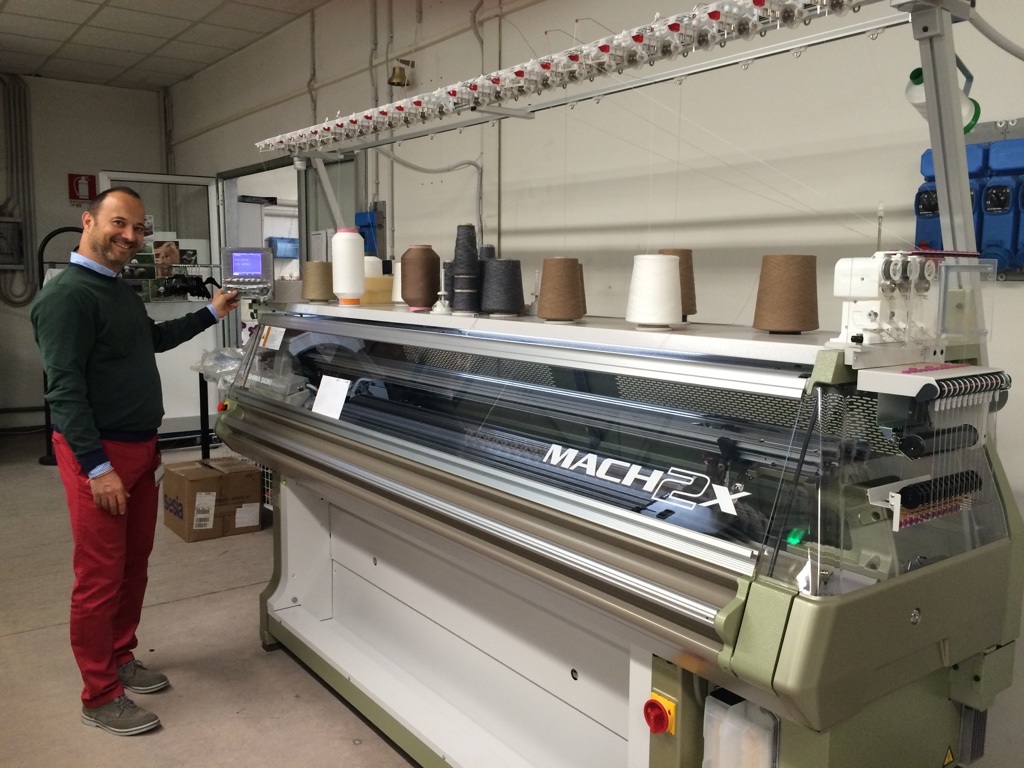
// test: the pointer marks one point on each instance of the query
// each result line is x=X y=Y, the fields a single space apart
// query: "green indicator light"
x=796 y=536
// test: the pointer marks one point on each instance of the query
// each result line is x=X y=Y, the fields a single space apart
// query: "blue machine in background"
x=926 y=207
x=366 y=222
x=996 y=177
x=926 y=203
x=283 y=247
x=1001 y=208
x=1020 y=229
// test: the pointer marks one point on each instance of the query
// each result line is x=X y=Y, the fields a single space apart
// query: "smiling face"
x=114 y=234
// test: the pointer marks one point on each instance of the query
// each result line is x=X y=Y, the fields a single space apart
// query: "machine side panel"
x=838 y=655
x=305 y=552
x=525 y=662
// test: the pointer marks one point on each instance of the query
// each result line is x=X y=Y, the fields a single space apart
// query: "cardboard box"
x=212 y=498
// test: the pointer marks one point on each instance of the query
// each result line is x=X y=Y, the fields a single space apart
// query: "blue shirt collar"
x=84 y=261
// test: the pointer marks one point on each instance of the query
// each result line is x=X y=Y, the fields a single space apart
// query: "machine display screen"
x=247 y=263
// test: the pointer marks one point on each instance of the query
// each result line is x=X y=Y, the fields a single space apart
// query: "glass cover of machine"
x=805 y=482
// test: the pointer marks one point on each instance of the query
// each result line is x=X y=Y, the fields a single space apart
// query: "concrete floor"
x=230 y=702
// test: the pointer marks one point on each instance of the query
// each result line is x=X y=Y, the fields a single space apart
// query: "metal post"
x=204 y=419
x=932 y=22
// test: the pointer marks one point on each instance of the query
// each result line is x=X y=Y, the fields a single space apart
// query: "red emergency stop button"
x=656 y=716
x=221 y=407
x=660 y=714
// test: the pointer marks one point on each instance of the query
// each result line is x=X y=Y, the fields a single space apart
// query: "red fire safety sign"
x=81 y=188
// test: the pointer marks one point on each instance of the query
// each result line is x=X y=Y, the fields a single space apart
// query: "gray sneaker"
x=136 y=678
x=120 y=717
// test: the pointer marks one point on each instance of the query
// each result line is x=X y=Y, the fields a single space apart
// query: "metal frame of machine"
x=512 y=537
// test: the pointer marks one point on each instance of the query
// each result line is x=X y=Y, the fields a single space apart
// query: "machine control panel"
x=250 y=271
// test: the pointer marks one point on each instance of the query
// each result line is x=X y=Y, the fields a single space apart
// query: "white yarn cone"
x=348 y=266
x=654 y=297
x=396 y=286
x=373 y=267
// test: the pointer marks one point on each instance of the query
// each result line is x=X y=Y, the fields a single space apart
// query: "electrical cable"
x=996 y=37
x=373 y=100
x=18 y=141
x=311 y=83
x=447 y=169
x=475 y=26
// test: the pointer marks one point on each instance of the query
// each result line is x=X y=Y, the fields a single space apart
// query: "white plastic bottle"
x=970 y=110
x=348 y=266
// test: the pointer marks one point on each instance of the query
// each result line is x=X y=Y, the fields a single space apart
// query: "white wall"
x=81 y=129
x=793 y=155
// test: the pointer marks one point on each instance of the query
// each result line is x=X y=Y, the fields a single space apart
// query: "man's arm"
x=169 y=334
x=65 y=335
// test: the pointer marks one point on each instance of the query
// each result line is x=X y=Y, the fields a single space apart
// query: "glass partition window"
x=917 y=491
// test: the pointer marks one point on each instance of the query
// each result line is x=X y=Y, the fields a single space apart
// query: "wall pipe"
x=21 y=188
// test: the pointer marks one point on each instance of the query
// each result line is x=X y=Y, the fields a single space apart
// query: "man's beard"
x=106 y=249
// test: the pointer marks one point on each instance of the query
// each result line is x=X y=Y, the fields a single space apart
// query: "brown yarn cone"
x=583 y=293
x=421 y=276
x=318 y=281
x=787 y=294
x=560 y=294
x=687 y=291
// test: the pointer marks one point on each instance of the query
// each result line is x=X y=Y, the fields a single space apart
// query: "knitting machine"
x=510 y=543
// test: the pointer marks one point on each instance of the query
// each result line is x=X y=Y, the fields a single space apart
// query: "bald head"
x=113 y=228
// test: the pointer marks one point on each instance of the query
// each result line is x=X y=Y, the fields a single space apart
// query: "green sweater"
x=97 y=344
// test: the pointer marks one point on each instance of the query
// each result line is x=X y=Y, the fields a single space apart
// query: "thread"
x=465 y=241
x=787 y=294
x=448 y=279
x=421 y=277
x=488 y=252
x=396 y=288
x=583 y=292
x=348 y=266
x=465 y=298
x=560 y=296
x=687 y=290
x=502 y=291
x=378 y=290
x=654 y=291
x=318 y=281
x=373 y=267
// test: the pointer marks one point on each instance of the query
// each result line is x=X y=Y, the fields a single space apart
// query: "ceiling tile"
x=19 y=44
x=144 y=78
x=192 y=52
x=165 y=65
x=61 y=10
x=107 y=38
x=223 y=37
x=15 y=24
x=139 y=23
x=24 y=63
x=294 y=7
x=134 y=43
x=67 y=69
x=77 y=52
x=249 y=17
x=193 y=10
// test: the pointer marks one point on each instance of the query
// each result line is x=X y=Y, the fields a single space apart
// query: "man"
x=98 y=349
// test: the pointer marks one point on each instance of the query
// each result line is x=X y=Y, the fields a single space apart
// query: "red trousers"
x=110 y=561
